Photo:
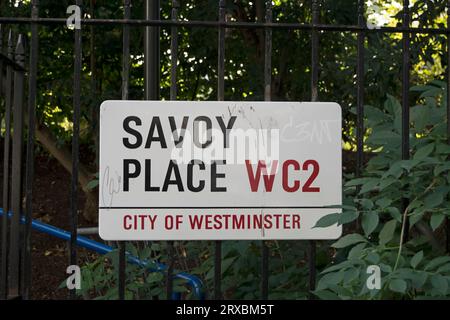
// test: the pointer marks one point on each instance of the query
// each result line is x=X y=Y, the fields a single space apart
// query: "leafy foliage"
x=100 y=277
x=393 y=197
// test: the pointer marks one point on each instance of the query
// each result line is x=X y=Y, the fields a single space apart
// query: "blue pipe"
x=194 y=282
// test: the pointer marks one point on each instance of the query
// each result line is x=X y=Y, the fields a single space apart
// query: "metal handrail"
x=153 y=266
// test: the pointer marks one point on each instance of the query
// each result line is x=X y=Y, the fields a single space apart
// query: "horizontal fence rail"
x=228 y=25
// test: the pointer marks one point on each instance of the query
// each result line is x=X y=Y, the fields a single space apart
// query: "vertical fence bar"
x=405 y=83
x=447 y=220
x=169 y=280
x=125 y=86
x=314 y=97
x=16 y=183
x=173 y=96
x=221 y=54
x=122 y=267
x=126 y=50
x=267 y=97
x=6 y=166
x=220 y=97
x=314 y=51
x=360 y=100
x=360 y=92
x=174 y=51
x=405 y=98
x=94 y=110
x=26 y=275
x=1 y=73
x=151 y=52
x=73 y=216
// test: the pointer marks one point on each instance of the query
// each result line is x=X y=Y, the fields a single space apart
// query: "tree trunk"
x=64 y=157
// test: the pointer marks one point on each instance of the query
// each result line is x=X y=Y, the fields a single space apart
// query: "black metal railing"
x=12 y=247
x=13 y=61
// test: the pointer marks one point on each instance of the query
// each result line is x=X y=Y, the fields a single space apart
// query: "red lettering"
x=286 y=165
x=307 y=187
x=126 y=223
x=254 y=178
x=296 y=221
x=196 y=221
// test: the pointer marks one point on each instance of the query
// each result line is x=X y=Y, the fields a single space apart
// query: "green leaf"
x=436 y=262
x=374 y=114
x=442 y=168
x=128 y=295
x=341 y=291
x=395 y=170
x=92 y=184
x=348 y=216
x=418 y=279
x=367 y=204
x=385 y=268
x=434 y=199
x=444 y=268
x=326 y=295
x=359 y=181
x=416 y=259
x=416 y=216
x=369 y=222
x=398 y=285
x=421 y=88
x=383 y=202
x=373 y=258
x=226 y=263
x=348 y=240
x=328 y=279
x=386 y=182
x=395 y=213
x=327 y=220
x=369 y=186
x=424 y=152
x=145 y=253
x=434 y=92
x=343 y=265
x=442 y=148
x=420 y=116
x=384 y=137
x=154 y=277
x=408 y=165
x=436 y=220
x=440 y=283
x=180 y=289
x=387 y=233
x=63 y=284
x=355 y=252
x=392 y=105
x=350 y=275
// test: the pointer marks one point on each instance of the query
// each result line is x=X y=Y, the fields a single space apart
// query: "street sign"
x=187 y=170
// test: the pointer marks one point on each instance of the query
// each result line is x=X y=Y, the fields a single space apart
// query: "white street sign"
x=185 y=170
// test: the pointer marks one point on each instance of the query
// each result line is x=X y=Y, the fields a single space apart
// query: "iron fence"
x=15 y=281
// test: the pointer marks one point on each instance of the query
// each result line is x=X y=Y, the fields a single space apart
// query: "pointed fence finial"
x=20 y=51
x=10 y=50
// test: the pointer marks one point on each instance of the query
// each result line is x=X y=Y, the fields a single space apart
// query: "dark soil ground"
x=51 y=203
